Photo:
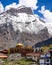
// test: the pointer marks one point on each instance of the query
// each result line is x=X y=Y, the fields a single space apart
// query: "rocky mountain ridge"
x=21 y=25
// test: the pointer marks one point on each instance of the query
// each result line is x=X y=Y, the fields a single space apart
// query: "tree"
x=45 y=49
x=29 y=48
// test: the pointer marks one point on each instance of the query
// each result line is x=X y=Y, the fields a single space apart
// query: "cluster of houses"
x=46 y=59
x=38 y=56
x=43 y=59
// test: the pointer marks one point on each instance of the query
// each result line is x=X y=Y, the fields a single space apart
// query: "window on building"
x=48 y=60
x=47 y=63
x=51 y=61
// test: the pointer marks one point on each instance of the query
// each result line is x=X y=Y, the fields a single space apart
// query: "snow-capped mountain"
x=26 y=27
x=49 y=26
x=23 y=20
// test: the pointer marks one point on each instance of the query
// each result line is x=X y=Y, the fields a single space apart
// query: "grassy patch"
x=18 y=62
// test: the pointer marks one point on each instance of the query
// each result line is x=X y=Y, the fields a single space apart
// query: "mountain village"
x=24 y=38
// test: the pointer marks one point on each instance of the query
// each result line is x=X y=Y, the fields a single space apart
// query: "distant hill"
x=43 y=43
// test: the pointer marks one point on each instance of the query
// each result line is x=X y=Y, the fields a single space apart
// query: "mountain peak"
x=20 y=9
x=24 y=27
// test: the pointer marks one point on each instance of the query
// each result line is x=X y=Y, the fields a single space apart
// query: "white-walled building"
x=45 y=59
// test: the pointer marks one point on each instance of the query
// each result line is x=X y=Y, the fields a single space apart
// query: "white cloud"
x=1 y=8
x=47 y=14
x=13 y=5
x=29 y=3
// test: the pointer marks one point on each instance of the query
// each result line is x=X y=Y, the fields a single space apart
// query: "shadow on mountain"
x=44 y=43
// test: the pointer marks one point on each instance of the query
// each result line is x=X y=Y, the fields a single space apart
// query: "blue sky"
x=41 y=6
x=47 y=3
x=7 y=2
